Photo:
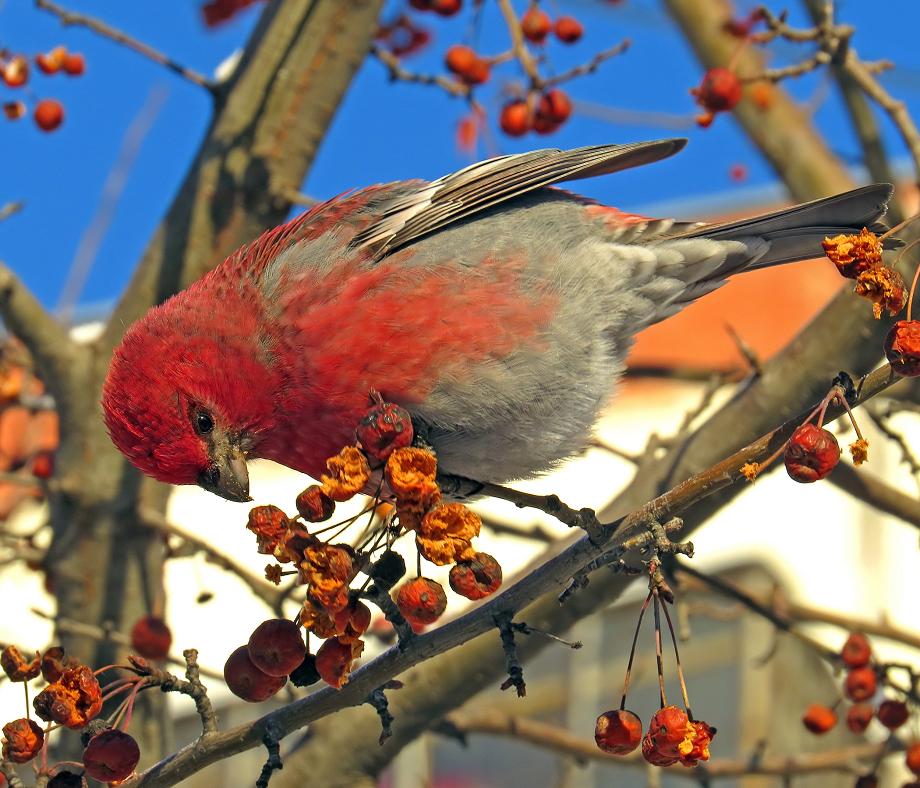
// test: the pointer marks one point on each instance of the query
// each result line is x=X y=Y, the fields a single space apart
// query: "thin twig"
x=11 y=208
x=591 y=66
x=399 y=73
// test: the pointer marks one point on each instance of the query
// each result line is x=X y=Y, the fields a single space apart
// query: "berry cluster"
x=72 y=698
x=15 y=72
x=860 y=686
x=332 y=610
x=673 y=735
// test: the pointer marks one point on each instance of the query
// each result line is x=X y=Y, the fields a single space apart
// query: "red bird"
x=496 y=309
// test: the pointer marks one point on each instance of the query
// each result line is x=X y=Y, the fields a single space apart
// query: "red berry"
x=246 y=681
x=535 y=25
x=860 y=684
x=859 y=716
x=334 y=660
x=51 y=62
x=719 y=91
x=49 y=114
x=459 y=58
x=811 y=454
x=568 y=29
x=421 y=601
x=515 y=119
x=314 y=505
x=111 y=756
x=902 y=348
x=15 y=72
x=476 y=578
x=276 y=647
x=819 y=718
x=618 y=732
x=477 y=73
x=74 y=64
x=385 y=426
x=856 y=652
x=43 y=465
x=555 y=106
x=913 y=758
x=22 y=740
x=892 y=713
x=446 y=7
x=151 y=638
x=352 y=621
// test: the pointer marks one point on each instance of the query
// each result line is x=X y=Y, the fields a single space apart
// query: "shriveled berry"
x=314 y=505
x=857 y=651
x=719 y=91
x=276 y=647
x=54 y=662
x=51 y=62
x=13 y=110
x=515 y=119
x=912 y=758
x=246 y=681
x=74 y=64
x=859 y=715
x=386 y=426
x=305 y=673
x=421 y=601
x=476 y=578
x=111 y=756
x=334 y=660
x=811 y=454
x=352 y=621
x=568 y=29
x=555 y=106
x=63 y=779
x=819 y=718
x=388 y=569
x=902 y=348
x=151 y=638
x=618 y=732
x=860 y=684
x=22 y=740
x=892 y=713
x=535 y=25
x=49 y=114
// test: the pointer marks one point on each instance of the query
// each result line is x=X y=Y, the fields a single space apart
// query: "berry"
x=51 y=62
x=246 y=681
x=819 y=718
x=535 y=25
x=352 y=621
x=902 y=348
x=63 y=779
x=151 y=638
x=856 y=652
x=860 y=684
x=555 y=106
x=458 y=59
x=446 y=7
x=387 y=426
x=811 y=454
x=859 y=716
x=912 y=757
x=476 y=578
x=43 y=465
x=421 y=5
x=111 y=756
x=892 y=714
x=388 y=569
x=13 y=110
x=22 y=740
x=74 y=64
x=421 y=601
x=866 y=781
x=314 y=505
x=15 y=72
x=719 y=91
x=568 y=29
x=276 y=647
x=334 y=660
x=305 y=673
x=515 y=119
x=49 y=114
x=618 y=732
x=477 y=73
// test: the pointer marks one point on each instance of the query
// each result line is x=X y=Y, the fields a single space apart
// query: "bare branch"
x=591 y=66
x=10 y=209
x=399 y=72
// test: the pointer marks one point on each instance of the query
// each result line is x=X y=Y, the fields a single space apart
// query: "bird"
x=493 y=305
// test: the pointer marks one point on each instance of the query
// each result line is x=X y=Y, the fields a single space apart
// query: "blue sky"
x=382 y=132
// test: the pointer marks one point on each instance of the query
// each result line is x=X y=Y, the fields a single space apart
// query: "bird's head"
x=184 y=403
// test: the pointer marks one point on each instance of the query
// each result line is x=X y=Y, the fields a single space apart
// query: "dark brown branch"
x=69 y=18
x=273 y=763
x=513 y=664
x=198 y=693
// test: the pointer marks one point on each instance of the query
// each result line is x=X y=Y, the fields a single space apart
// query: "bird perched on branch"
x=498 y=310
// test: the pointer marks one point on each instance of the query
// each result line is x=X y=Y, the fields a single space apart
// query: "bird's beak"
x=227 y=476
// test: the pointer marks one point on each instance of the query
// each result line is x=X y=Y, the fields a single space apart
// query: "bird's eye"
x=203 y=422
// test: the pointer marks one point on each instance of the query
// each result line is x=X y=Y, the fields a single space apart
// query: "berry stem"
x=661 y=693
x=842 y=400
x=25 y=686
x=680 y=670
x=913 y=284
x=632 y=650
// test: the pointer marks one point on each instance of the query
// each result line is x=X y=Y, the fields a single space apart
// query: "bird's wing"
x=485 y=184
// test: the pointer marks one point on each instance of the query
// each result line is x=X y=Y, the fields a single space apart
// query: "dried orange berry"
x=884 y=287
x=618 y=732
x=293 y=544
x=349 y=472
x=335 y=659
x=411 y=474
x=111 y=756
x=819 y=718
x=16 y=667
x=719 y=91
x=477 y=578
x=385 y=427
x=269 y=524
x=328 y=569
x=902 y=348
x=445 y=533
x=22 y=740
x=352 y=621
x=695 y=746
x=666 y=730
x=314 y=505
x=55 y=662
x=73 y=700
x=51 y=62
x=859 y=715
x=317 y=620
x=853 y=254
x=857 y=651
x=421 y=601
x=860 y=684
